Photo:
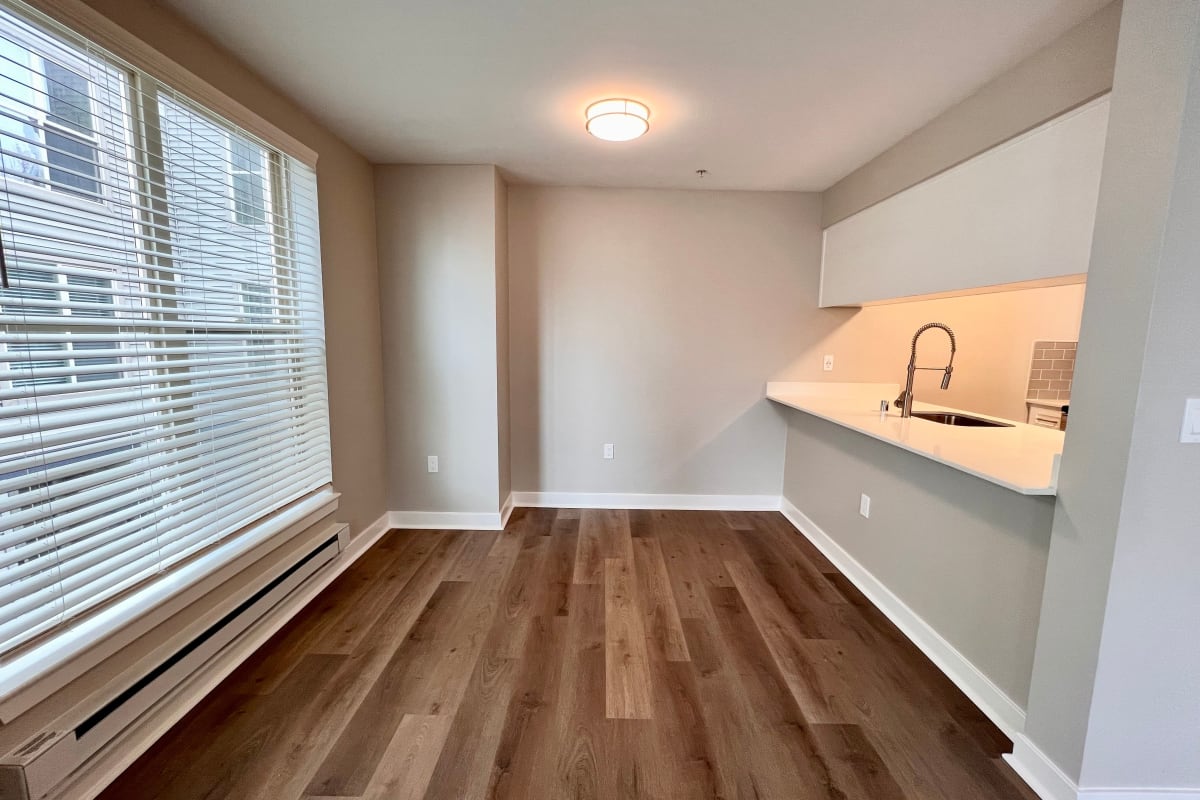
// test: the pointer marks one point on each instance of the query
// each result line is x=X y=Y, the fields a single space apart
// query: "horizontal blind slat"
x=91 y=487
x=67 y=477
x=178 y=411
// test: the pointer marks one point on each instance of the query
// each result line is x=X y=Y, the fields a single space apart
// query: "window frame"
x=263 y=207
x=108 y=35
x=63 y=289
x=40 y=671
x=39 y=118
x=92 y=140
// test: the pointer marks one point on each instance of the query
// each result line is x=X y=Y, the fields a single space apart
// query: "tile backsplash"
x=1051 y=371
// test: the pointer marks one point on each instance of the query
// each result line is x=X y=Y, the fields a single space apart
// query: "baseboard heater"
x=35 y=767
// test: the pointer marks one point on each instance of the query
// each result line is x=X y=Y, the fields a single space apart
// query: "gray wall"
x=1154 y=592
x=694 y=300
x=1069 y=71
x=966 y=555
x=504 y=450
x=1117 y=672
x=651 y=319
x=438 y=287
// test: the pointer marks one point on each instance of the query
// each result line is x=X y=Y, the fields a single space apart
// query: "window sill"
x=35 y=673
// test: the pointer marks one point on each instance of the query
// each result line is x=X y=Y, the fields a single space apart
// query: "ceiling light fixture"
x=617 y=120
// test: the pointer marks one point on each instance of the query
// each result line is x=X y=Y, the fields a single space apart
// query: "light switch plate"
x=1191 y=422
x=864 y=506
x=432 y=463
x=827 y=364
x=609 y=451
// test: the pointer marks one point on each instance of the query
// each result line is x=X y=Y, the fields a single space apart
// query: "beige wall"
x=438 y=275
x=651 y=319
x=347 y=252
x=1069 y=71
x=966 y=555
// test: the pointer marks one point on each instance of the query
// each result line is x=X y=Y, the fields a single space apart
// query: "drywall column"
x=504 y=431
x=441 y=275
x=1116 y=680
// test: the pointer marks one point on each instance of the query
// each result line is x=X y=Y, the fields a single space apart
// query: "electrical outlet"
x=864 y=506
x=828 y=364
x=609 y=451
x=433 y=464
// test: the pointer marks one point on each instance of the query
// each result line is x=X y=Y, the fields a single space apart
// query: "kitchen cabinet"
x=1019 y=213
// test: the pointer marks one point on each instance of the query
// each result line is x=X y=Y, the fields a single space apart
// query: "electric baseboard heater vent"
x=33 y=768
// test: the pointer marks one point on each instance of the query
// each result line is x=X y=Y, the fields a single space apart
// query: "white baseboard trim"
x=119 y=753
x=446 y=520
x=1051 y=783
x=369 y=536
x=1139 y=794
x=1037 y=770
x=506 y=511
x=990 y=698
x=669 y=502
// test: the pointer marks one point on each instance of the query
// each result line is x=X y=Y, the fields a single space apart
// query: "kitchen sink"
x=960 y=420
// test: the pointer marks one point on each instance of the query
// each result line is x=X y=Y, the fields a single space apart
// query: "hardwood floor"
x=594 y=654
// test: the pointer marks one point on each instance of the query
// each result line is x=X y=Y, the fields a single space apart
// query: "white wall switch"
x=1191 y=422
x=864 y=506
x=433 y=465
x=609 y=451
x=828 y=364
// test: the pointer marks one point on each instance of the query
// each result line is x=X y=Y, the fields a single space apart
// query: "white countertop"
x=1023 y=458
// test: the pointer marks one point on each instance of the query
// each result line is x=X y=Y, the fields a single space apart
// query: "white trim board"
x=1037 y=770
x=116 y=756
x=667 y=502
x=452 y=520
x=369 y=536
x=1139 y=794
x=446 y=520
x=990 y=698
x=506 y=510
x=1051 y=783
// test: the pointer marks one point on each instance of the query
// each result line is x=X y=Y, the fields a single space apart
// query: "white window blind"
x=162 y=358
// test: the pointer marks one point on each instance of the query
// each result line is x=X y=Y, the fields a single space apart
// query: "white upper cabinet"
x=1022 y=211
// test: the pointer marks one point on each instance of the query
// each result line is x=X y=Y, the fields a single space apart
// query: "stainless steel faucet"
x=905 y=400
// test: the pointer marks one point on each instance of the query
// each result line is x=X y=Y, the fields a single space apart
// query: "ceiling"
x=764 y=94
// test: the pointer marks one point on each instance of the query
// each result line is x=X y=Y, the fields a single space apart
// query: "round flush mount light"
x=617 y=120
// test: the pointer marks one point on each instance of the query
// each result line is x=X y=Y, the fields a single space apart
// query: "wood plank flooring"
x=594 y=654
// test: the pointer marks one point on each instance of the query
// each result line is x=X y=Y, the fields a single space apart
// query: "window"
x=47 y=111
x=74 y=159
x=162 y=370
x=47 y=294
x=248 y=192
x=256 y=303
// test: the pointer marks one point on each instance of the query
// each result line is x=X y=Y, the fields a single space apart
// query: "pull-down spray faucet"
x=905 y=400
